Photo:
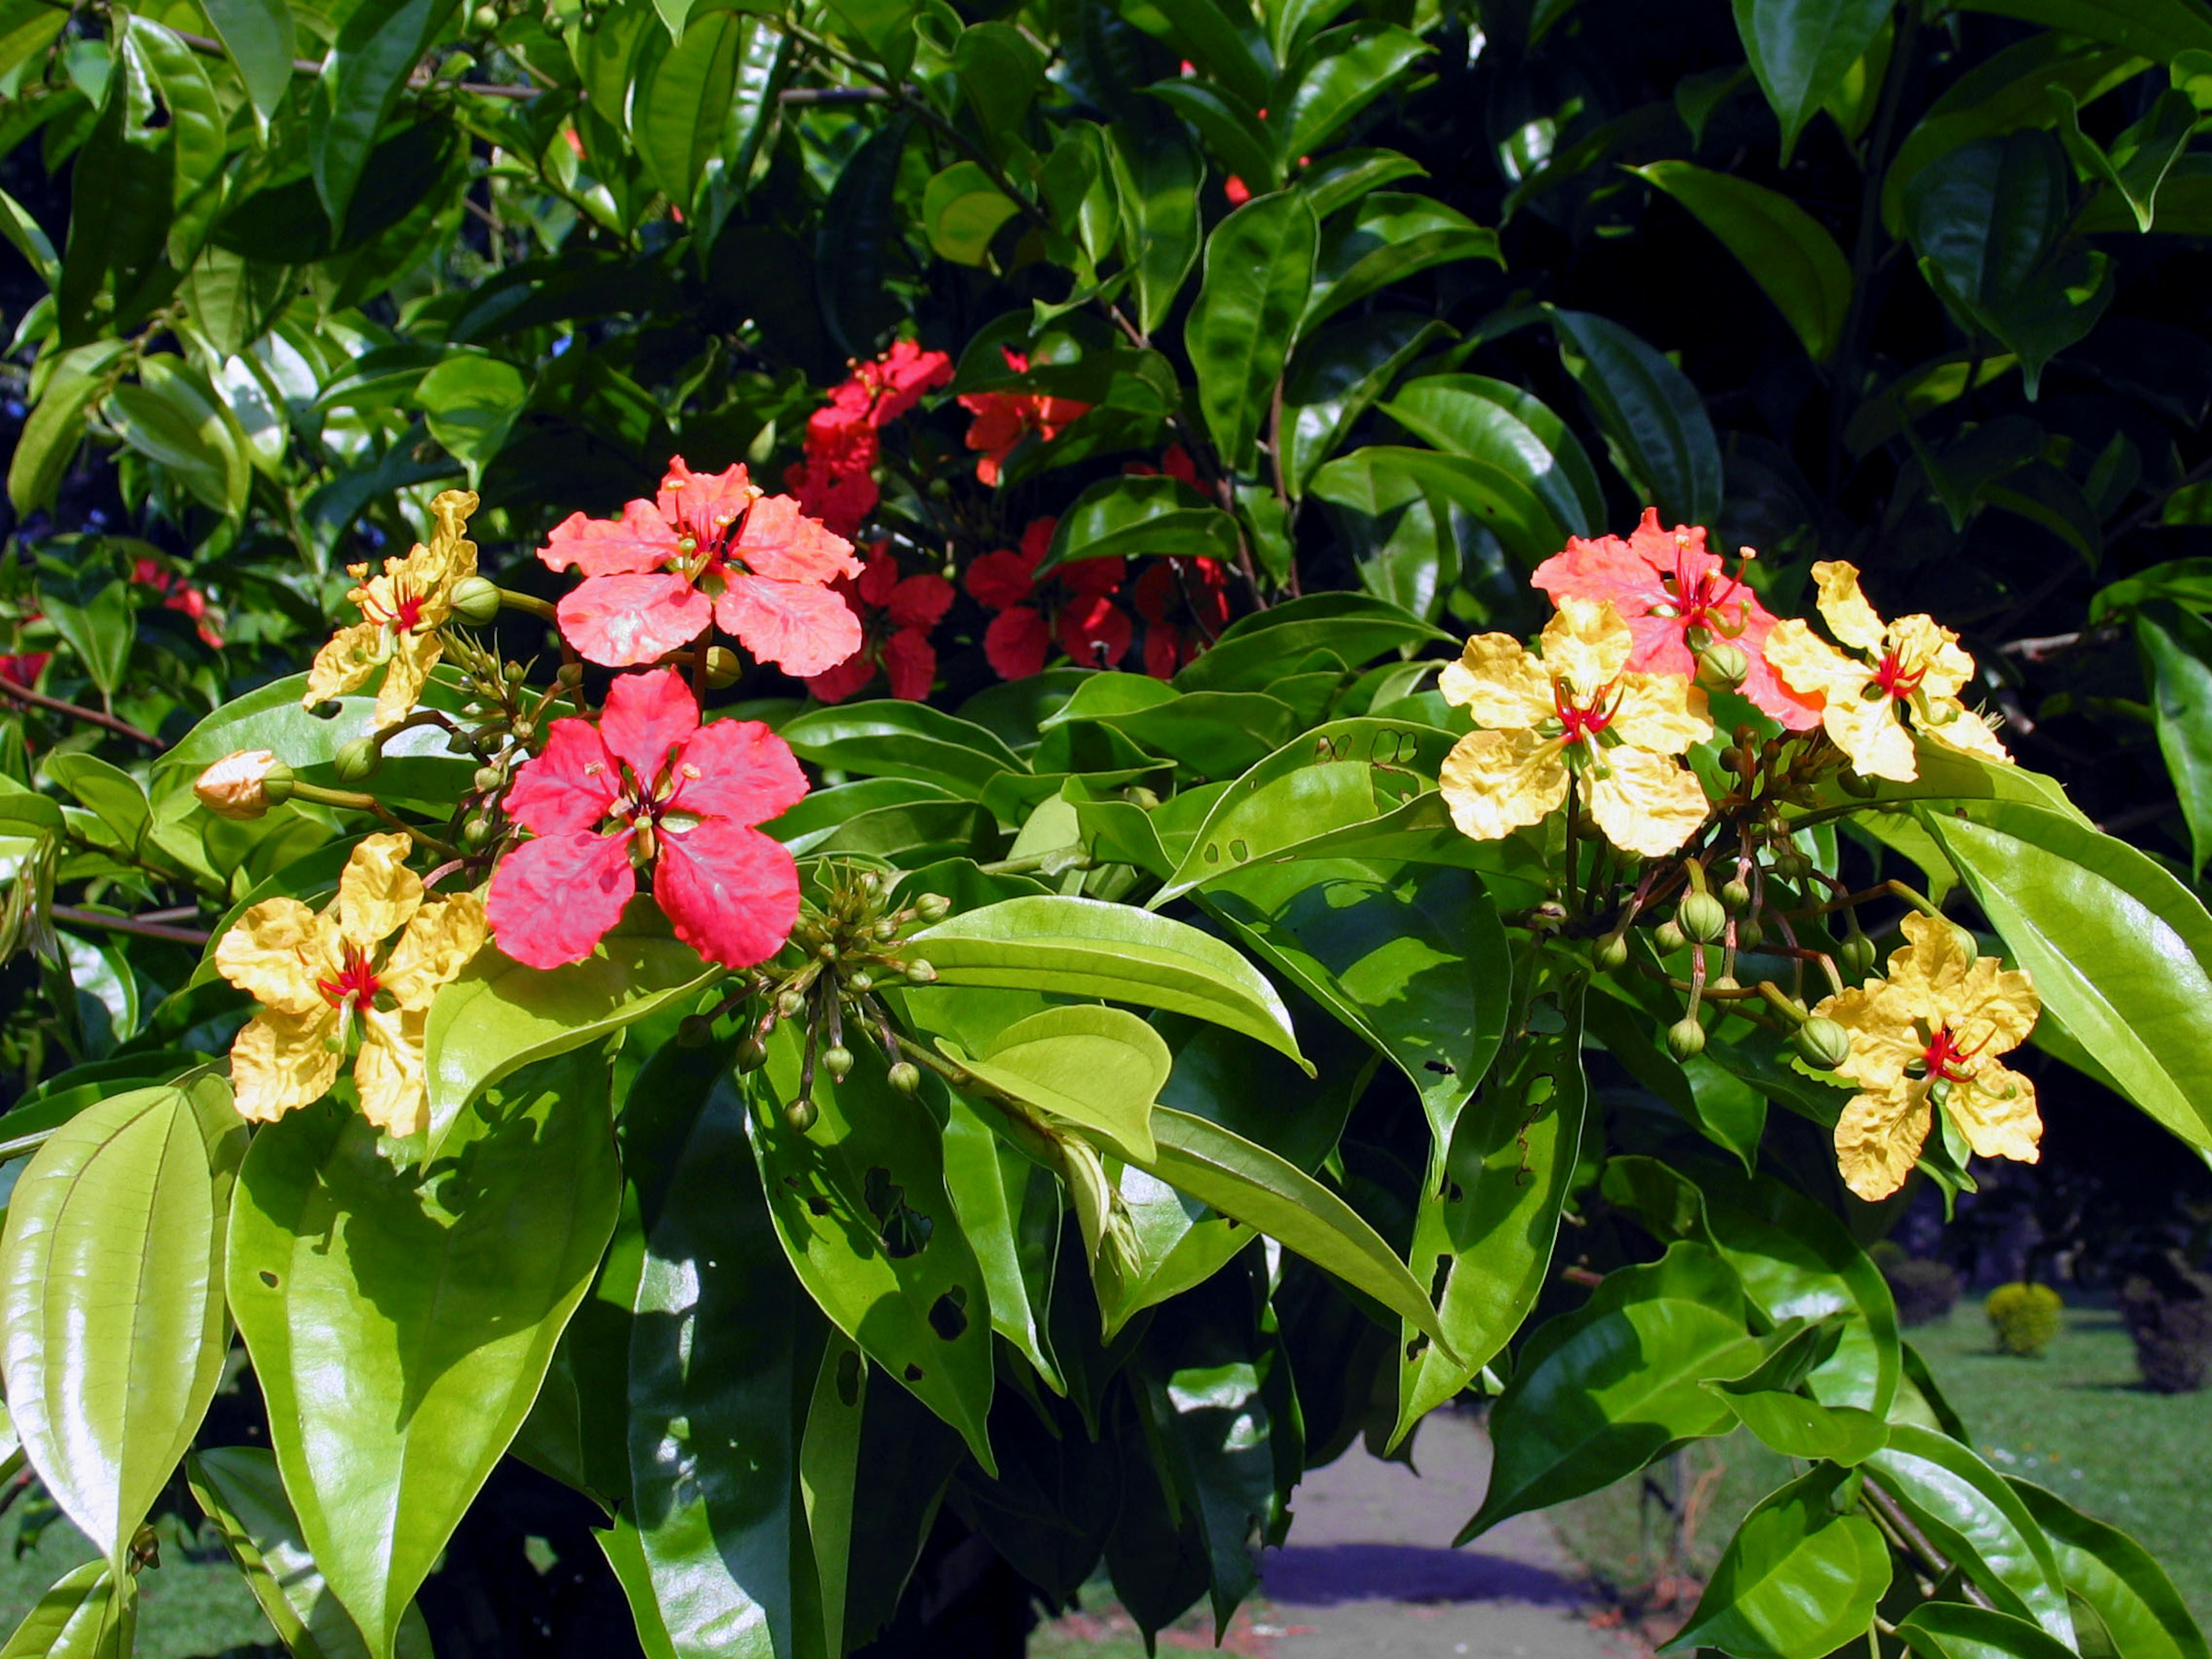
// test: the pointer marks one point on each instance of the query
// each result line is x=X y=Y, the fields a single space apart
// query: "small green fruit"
x=1611 y=952
x=477 y=832
x=488 y=779
x=484 y=19
x=1749 y=935
x=1824 y=1043
x=356 y=761
x=788 y=1004
x=920 y=972
x=933 y=907
x=905 y=1076
x=801 y=1115
x=1685 y=1038
x=837 y=1061
x=1701 y=917
x=752 y=1054
x=1855 y=956
x=1736 y=896
x=1723 y=664
x=1667 y=939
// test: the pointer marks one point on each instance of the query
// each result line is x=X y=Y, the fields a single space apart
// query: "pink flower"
x=897 y=613
x=648 y=788
x=710 y=551
x=1003 y=419
x=1070 y=604
x=1667 y=586
x=1185 y=605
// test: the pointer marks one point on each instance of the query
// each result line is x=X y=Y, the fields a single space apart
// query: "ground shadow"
x=1323 y=1575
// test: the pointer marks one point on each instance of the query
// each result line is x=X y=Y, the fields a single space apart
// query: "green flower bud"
x=905 y=1076
x=488 y=779
x=837 y=1061
x=1749 y=935
x=801 y=1115
x=933 y=907
x=476 y=832
x=1855 y=956
x=1667 y=939
x=1853 y=784
x=570 y=674
x=1824 y=1043
x=694 y=1031
x=1611 y=952
x=356 y=761
x=827 y=950
x=788 y=1003
x=723 y=667
x=921 y=973
x=1721 y=666
x=484 y=19
x=1736 y=896
x=1701 y=917
x=476 y=598
x=1685 y=1038
x=752 y=1054
x=861 y=981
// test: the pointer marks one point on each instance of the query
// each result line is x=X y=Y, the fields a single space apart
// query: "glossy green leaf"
x=1346 y=175
x=1251 y=650
x=1798 y=1427
x=1490 y=1203
x=1337 y=376
x=375 y=50
x=1126 y=518
x=2176 y=651
x=1010 y=1210
x=830 y=1478
x=111 y=1355
x=1600 y=1392
x=1800 y=50
x=166 y=428
x=1084 y=947
x=2138 y=159
x=499 y=1016
x=1156 y=175
x=417 y=765
x=239 y=1490
x=1347 y=72
x=1259 y=269
x=1952 y=1630
x=470 y=403
x=98 y=626
x=2128 y=1590
x=1097 y=1069
x=1655 y=423
x=1272 y=1196
x=2121 y=952
x=1217 y=733
x=1412 y=957
x=262 y=40
x=860 y=1206
x=999 y=69
x=197 y=122
x=51 y=435
x=678 y=110
x=1501 y=491
x=1231 y=127
x=1978 y=1522
x=1474 y=416
x=82 y=1617
x=439 y=1293
x=1798 y=1580
x=1392 y=235
x=1785 y=250
x=895 y=739
x=962 y=210
x=2161 y=30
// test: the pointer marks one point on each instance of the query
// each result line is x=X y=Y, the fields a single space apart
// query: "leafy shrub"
x=1926 y=1290
x=2167 y=1308
x=2025 y=1317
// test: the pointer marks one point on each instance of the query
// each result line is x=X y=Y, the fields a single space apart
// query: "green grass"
x=2074 y=1419
x=187 y=1609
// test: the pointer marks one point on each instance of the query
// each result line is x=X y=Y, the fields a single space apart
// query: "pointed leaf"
x=1978 y=1522
x=1798 y=1581
x=1099 y=1069
x=1786 y=251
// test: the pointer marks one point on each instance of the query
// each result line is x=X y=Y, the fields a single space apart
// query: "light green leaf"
x=962 y=210
x=1010 y=1209
x=99 y=626
x=1798 y=1427
x=82 y=1617
x=438 y=1292
x=470 y=403
x=1084 y=947
x=1259 y=271
x=1978 y=1522
x=1251 y=650
x=1953 y=1630
x=1784 y=249
x=1099 y=1069
x=1344 y=75
x=2119 y=1580
x=1798 y=1580
x=111 y=1354
x=262 y=40
x=56 y=427
x=680 y=109
x=890 y=738
x=17 y=225
x=1127 y=518
x=1474 y=416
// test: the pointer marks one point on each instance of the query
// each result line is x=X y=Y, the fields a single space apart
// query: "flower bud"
x=920 y=972
x=488 y=779
x=1736 y=896
x=476 y=832
x=788 y=1003
x=905 y=1076
x=476 y=598
x=244 y=784
x=570 y=674
x=1824 y=1043
x=860 y=981
x=1667 y=939
x=1855 y=956
x=1855 y=784
x=837 y=1061
x=1142 y=799
x=1685 y=1038
x=1701 y=917
x=933 y=907
x=483 y=20
x=752 y=1054
x=801 y=1114
x=356 y=761
x=723 y=667
x=1721 y=666
x=1749 y=935
x=1611 y=951
x=694 y=1031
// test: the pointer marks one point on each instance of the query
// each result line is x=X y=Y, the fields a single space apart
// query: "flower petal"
x=1844 y=608
x=705 y=503
x=1878 y=1019
x=280 y=1062
x=1646 y=803
x=1004 y=579
x=273 y=953
x=413 y=655
x=569 y=786
x=619 y=621
x=846 y=678
x=1500 y=685
x=1586 y=644
x=1878 y=1139
x=1954 y=726
x=910 y=660
x=1605 y=568
x=437 y=944
x=388 y=1073
x=800 y=627
x=781 y=542
x=344 y=663
x=1809 y=666
x=1094 y=632
x=1661 y=713
x=1996 y=1008
x=1926 y=649
x=377 y=894
x=920 y=601
x=739 y=770
x=731 y=892
x=1867 y=728
x=1995 y=1109
x=641 y=540
x=1016 y=642
x=649 y=717
x=553 y=898
x=1496 y=782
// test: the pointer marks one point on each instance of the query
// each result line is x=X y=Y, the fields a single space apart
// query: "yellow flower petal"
x=281 y=1062
x=1879 y=1022
x=413 y=656
x=1498 y=682
x=1926 y=649
x=1496 y=782
x=1878 y=1139
x=345 y=663
x=1662 y=712
x=389 y=1071
x=1844 y=609
x=1645 y=803
x=1994 y=1008
x=1956 y=726
x=1930 y=969
x=1995 y=1109
x=1809 y=665
x=1867 y=729
x=377 y=894
x=274 y=953
x=1587 y=645
x=437 y=944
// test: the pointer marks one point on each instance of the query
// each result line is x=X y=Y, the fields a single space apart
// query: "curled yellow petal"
x=1865 y=726
x=1880 y=1027
x=413 y=656
x=437 y=944
x=1645 y=803
x=1957 y=726
x=1586 y=644
x=1496 y=782
x=1879 y=1139
x=1995 y=1111
x=1662 y=712
x=345 y=663
x=377 y=894
x=1498 y=682
x=274 y=953
x=389 y=1071
x=282 y=1061
x=1844 y=608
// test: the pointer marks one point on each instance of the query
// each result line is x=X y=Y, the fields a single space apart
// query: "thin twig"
x=135 y=925
x=122 y=729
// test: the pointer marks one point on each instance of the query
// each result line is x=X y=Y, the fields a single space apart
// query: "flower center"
x=355 y=983
x=1703 y=600
x=1578 y=722
x=405 y=614
x=1894 y=679
x=1944 y=1056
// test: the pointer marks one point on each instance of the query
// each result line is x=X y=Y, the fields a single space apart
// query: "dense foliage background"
x=1347 y=297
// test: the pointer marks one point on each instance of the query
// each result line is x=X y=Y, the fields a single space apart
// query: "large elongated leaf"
x=2161 y=30
x=1390 y=236
x=1083 y=947
x=1156 y=174
x=2177 y=648
x=82 y=1617
x=1801 y=50
x=376 y=50
x=1797 y=1580
x=1475 y=415
x=416 y=766
x=1095 y=1068
x=1600 y=1392
x=262 y=40
x=1338 y=373
x=2127 y=1589
x=676 y=122
x=1259 y=271
x=1953 y=1630
x=1655 y=423
x=438 y=1293
x=1250 y=654
x=111 y=1332
x=895 y=739
x=1978 y=1522
x=1122 y=518
x=2121 y=951
x=1010 y=1210
x=1785 y=250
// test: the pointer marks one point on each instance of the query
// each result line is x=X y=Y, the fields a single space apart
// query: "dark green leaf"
x=1787 y=252
x=1156 y=176
x=2176 y=650
x=49 y=438
x=895 y=739
x=1336 y=377
x=2161 y=30
x=375 y=51
x=1251 y=650
x=1800 y=50
x=1259 y=271
x=1348 y=70
x=262 y=40
x=1123 y=518
x=1655 y=423
x=1391 y=236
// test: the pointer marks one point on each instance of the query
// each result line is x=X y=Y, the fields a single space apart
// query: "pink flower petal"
x=641 y=540
x=746 y=774
x=848 y=678
x=619 y=621
x=567 y=789
x=704 y=503
x=647 y=717
x=554 y=898
x=910 y=660
x=800 y=627
x=1016 y=642
x=920 y=601
x=781 y=542
x=731 y=892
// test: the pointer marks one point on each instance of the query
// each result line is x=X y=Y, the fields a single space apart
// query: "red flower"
x=898 y=379
x=1175 y=463
x=897 y=613
x=1667 y=586
x=1070 y=604
x=835 y=481
x=24 y=670
x=1185 y=605
x=647 y=787
x=1236 y=190
x=712 y=549
x=1003 y=419
x=182 y=596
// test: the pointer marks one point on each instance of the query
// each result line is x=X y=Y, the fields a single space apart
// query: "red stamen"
x=355 y=980
x=1581 y=722
x=1891 y=678
x=1943 y=1055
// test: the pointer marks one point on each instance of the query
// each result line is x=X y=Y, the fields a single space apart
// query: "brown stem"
x=122 y=729
x=136 y=926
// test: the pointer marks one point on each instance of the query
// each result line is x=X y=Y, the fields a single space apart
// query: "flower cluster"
x=896 y=612
x=836 y=481
x=402 y=613
x=1004 y=419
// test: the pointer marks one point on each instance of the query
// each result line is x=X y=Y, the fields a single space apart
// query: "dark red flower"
x=897 y=613
x=710 y=551
x=1003 y=419
x=836 y=482
x=1185 y=605
x=898 y=379
x=25 y=669
x=647 y=787
x=1069 y=603
x=182 y=596
x=1175 y=463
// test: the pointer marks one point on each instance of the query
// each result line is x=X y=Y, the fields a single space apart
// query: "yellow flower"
x=1575 y=708
x=401 y=612
x=1928 y=1035
x=1910 y=666
x=321 y=980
